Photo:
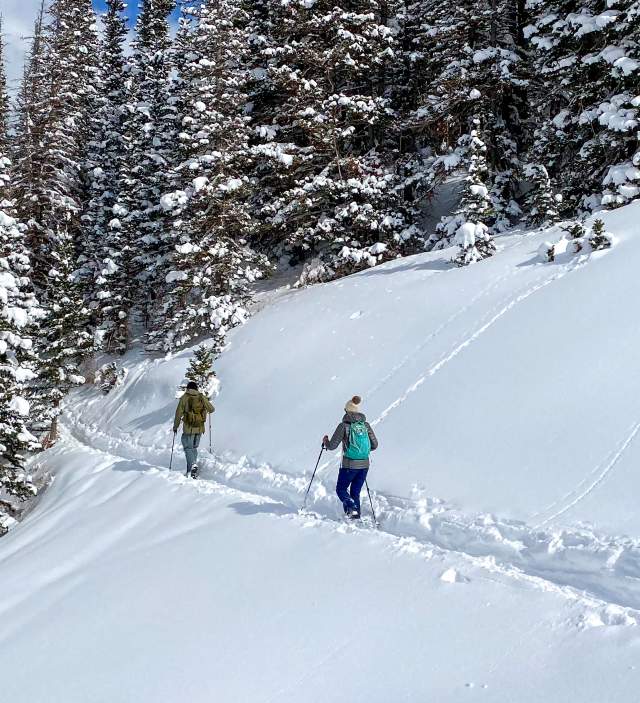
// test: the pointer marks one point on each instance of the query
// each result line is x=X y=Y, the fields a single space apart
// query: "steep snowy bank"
x=504 y=397
x=508 y=387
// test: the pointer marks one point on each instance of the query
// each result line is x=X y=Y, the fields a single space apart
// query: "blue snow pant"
x=350 y=482
x=190 y=444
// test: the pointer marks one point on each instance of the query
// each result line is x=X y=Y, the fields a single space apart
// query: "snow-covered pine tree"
x=108 y=376
x=17 y=304
x=584 y=99
x=333 y=190
x=620 y=113
x=465 y=61
x=4 y=123
x=55 y=127
x=108 y=252
x=150 y=131
x=599 y=238
x=429 y=84
x=28 y=164
x=271 y=160
x=541 y=205
x=210 y=266
x=469 y=226
x=201 y=370
x=18 y=310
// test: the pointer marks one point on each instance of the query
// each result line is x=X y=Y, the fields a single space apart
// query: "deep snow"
x=507 y=565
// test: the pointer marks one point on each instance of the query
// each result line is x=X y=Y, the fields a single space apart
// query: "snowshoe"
x=353 y=514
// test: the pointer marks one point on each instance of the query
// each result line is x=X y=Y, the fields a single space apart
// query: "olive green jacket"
x=181 y=412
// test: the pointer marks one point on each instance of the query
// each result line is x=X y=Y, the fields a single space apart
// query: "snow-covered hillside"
x=507 y=563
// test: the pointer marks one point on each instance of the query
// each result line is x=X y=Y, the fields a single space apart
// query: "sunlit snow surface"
x=507 y=563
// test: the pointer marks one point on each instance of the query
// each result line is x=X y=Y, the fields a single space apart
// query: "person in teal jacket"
x=355 y=465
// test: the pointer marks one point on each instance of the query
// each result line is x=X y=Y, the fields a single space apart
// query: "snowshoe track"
x=600 y=573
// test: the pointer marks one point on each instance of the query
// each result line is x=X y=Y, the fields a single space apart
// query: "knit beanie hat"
x=353 y=405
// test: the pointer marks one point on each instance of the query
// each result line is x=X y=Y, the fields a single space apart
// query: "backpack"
x=195 y=412
x=359 y=446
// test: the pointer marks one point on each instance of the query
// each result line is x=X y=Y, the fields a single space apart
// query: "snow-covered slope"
x=505 y=400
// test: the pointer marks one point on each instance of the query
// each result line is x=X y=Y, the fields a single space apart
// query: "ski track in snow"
x=432 y=335
x=602 y=475
x=599 y=573
x=502 y=310
x=467 y=341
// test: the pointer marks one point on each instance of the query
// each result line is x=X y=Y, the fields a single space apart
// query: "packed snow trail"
x=580 y=564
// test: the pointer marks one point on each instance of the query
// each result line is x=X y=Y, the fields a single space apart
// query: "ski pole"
x=371 y=502
x=172 y=444
x=304 y=505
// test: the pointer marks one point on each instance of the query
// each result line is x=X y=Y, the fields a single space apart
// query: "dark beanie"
x=192 y=386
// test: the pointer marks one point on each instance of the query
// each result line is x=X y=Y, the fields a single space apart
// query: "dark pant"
x=350 y=482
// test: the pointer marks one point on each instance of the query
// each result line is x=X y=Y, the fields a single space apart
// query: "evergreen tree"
x=18 y=311
x=584 y=99
x=28 y=158
x=469 y=225
x=17 y=314
x=599 y=238
x=107 y=251
x=53 y=137
x=472 y=236
x=210 y=266
x=541 y=204
x=464 y=62
x=108 y=376
x=201 y=368
x=4 y=119
x=150 y=128
x=331 y=184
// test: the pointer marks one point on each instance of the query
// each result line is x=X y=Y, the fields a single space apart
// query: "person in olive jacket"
x=192 y=411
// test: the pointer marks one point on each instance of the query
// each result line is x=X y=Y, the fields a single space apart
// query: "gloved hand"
x=325 y=441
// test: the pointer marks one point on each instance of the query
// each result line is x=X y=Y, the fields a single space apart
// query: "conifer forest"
x=154 y=177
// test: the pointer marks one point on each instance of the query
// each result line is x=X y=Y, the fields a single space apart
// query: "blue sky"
x=18 y=18
x=132 y=7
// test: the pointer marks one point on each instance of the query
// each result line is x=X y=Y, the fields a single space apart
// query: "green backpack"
x=359 y=446
x=195 y=412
